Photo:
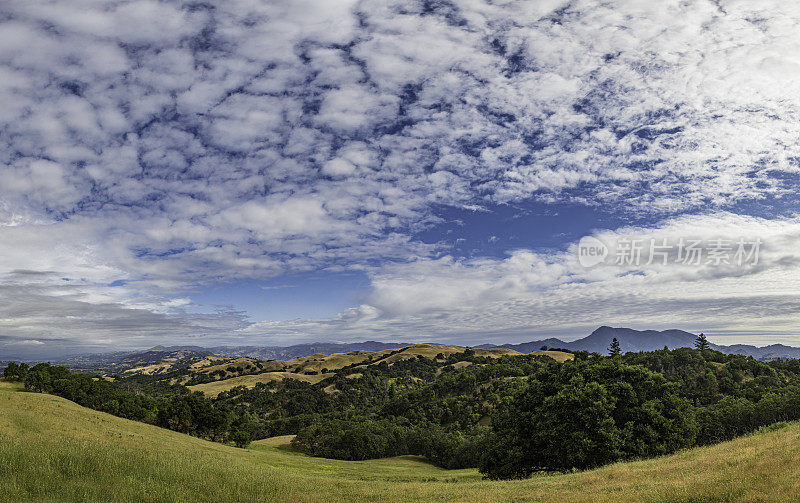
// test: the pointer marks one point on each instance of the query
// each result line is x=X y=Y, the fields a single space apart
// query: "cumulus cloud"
x=539 y=294
x=170 y=143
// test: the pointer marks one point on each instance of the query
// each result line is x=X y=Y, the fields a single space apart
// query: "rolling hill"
x=211 y=373
x=214 y=388
x=318 y=367
x=598 y=341
x=129 y=359
x=56 y=451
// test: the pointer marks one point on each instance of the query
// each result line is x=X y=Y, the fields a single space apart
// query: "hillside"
x=124 y=360
x=213 y=374
x=54 y=450
x=121 y=360
x=214 y=388
x=317 y=367
x=147 y=361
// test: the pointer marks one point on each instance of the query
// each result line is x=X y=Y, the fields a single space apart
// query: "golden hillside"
x=322 y=365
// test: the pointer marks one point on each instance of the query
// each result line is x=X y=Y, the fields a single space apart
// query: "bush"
x=352 y=440
x=772 y=427
x=241 y=438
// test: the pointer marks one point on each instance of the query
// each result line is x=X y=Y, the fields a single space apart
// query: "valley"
x=54 y=450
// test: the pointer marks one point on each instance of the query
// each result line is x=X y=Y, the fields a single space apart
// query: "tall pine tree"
x=614 y=349
x=701 y=343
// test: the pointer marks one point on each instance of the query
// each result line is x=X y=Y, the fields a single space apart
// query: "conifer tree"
x=701 y=343
x=614 y=349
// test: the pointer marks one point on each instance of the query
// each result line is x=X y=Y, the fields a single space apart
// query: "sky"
x=279 y=172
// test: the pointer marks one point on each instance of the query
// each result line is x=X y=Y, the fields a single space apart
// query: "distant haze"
x=598 y=341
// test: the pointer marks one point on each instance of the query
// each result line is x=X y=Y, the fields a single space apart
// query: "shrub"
x=352 y=440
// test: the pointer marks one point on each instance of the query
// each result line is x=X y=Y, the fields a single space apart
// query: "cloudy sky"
x=273 y=172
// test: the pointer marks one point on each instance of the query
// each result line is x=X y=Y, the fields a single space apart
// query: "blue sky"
x=301 y=170
x=489 y=232
x=286 y=297
x=465 y=233
x=497 y=229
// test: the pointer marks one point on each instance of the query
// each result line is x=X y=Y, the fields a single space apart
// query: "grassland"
x=217 y=387
x=558 y=356
x=52 y=450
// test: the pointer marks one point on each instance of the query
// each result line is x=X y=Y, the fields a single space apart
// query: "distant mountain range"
x=649 y=340
x=598 y=342
x=290 y=352
x=160 y=353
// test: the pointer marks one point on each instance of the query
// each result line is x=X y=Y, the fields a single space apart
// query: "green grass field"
x=52 y=450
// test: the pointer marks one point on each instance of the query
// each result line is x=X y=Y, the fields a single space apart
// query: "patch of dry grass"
x=156 y=368
x=559 y=356
x=217 y=387
x=333 y=361
x=236 y=362
x=207 y=362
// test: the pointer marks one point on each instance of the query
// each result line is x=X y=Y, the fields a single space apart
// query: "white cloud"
x=30 y=342
x=168 y=143
x=532 y=294
x=353 y=109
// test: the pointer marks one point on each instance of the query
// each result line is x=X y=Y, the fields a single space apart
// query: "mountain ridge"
x=598 y=341
x=631 y=340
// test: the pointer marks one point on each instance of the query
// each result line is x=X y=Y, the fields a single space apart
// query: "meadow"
x=52 y=450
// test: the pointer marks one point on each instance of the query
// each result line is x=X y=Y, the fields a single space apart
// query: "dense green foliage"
x=586 y=415
x=190 y=413
x=369 y=438
x=16 y=371
x=511 y=416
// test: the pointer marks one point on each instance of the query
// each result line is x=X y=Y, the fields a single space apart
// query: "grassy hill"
x=217 y=387
x=54 y=450
x=322 y=365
